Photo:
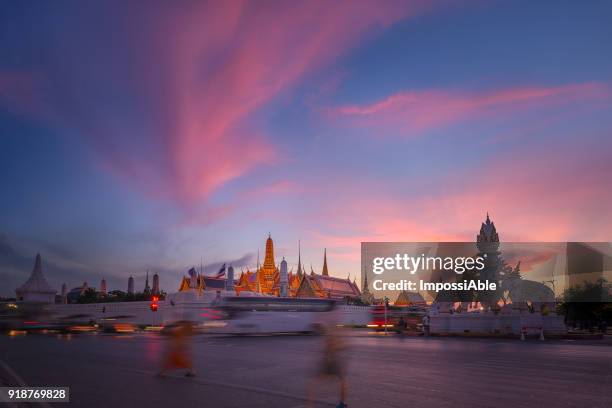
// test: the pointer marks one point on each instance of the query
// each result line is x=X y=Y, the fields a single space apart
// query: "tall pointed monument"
x=36 y=288
x=299 y=270
x=325 y=271
x=266 y=274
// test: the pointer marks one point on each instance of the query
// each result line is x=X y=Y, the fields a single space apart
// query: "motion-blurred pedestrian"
x=401 y=327
x=426 y=325
x=179 y=355
x=332 y=364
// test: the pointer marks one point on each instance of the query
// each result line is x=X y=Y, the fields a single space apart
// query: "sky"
x=156 y=135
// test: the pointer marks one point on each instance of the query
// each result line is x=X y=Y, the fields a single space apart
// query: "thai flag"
x=221 y=273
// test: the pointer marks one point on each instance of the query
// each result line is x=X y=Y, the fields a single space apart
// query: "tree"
x=588 y=304
x=89 y=296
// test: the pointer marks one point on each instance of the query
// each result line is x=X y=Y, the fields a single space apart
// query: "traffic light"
x=154 y=306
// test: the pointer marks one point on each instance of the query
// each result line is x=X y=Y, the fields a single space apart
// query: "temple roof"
x=336 y=287
x=36 y=283
x=406 y=298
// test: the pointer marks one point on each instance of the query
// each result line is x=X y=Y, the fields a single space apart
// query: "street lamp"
x=386 y=305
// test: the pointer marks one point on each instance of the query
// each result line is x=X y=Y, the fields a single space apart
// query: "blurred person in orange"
x=179 y=355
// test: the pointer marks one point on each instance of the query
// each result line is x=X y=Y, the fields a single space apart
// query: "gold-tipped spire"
x=299 y=270
x=325 y=271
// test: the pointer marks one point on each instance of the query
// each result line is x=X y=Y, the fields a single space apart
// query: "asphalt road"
x=118 y=371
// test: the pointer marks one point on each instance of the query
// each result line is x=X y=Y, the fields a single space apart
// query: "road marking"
x=13 y=374
x=19 y=380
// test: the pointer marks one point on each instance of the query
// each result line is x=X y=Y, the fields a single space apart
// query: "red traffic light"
x=154 y=304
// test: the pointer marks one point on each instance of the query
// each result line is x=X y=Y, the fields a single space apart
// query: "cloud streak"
x=411 y=113
x=170 y=109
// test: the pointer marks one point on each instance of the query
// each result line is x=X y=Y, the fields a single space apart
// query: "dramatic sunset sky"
x=139 y=135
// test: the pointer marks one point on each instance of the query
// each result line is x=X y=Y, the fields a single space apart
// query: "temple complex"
x=272 y=280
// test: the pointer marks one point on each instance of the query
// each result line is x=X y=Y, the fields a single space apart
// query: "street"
x=119 y=371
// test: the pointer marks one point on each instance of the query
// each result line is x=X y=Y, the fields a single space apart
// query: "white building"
x=36 y=288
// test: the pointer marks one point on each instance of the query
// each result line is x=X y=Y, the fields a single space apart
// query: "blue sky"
x=137 y=137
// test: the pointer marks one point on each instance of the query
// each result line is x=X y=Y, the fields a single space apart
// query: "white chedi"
x=36 y=288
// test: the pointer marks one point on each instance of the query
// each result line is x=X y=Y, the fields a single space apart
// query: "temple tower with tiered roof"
x=266 y=274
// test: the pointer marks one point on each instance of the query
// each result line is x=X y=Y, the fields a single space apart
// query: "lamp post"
x=386 y=304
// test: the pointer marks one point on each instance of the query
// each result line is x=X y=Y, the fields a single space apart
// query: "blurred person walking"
x=332 y=364
x=179 y=355
x=401 y=327
x=426 y=325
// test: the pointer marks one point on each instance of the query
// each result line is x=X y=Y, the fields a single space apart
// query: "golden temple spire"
x=269 y=259
x=325 y=271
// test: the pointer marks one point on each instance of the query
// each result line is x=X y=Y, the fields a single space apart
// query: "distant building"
x=63 y=298
x=102 y=291
x=36 y=288
x=147 y=288
x=156 y=290
x=130 y=289
x=284 y=279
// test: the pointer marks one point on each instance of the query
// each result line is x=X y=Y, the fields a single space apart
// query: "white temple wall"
x=489 y=323
x=134 y=312
x=39 y=297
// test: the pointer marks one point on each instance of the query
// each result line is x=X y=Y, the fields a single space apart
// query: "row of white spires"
x=37 y=288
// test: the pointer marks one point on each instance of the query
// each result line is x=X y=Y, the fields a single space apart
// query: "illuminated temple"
x=274 y=280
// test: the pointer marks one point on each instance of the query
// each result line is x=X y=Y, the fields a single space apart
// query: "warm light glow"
x=82 y=328
x=124 y=328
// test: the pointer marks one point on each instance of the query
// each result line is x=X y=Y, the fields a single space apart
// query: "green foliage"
x=91 y=296
x=600 y=291
x=587 y=304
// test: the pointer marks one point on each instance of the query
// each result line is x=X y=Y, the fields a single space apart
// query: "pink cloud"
x=413 y=112
x=172 y=112
x=548 y=195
